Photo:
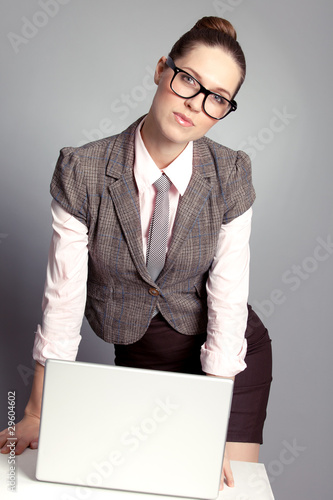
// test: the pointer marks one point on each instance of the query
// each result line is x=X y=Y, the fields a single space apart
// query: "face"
x=177 y=120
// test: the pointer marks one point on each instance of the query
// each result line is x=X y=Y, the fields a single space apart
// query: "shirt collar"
x=146 y=172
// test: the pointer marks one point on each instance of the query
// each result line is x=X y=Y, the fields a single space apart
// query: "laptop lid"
x=133 y=429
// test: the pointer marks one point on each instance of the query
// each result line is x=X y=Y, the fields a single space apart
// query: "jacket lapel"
x=124 y=194
x=193 y=200
x=126 y=200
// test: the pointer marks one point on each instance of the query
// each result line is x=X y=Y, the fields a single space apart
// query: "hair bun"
x=212 y=32
x=216 y=23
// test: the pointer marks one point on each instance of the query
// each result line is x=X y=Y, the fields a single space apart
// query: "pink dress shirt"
x=227 y=286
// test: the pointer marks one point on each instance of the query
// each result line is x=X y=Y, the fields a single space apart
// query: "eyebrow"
x=198 y=77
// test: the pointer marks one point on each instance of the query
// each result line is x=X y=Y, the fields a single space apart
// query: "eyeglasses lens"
x=186 y=86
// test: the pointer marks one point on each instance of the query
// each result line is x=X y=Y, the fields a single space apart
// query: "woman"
x=163 y=257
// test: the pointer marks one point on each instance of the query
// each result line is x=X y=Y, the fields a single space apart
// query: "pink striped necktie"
x=159 y=228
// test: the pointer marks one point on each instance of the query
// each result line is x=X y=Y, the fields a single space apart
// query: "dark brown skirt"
x=163 y=348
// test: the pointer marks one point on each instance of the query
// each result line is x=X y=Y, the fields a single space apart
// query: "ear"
x=160 y=68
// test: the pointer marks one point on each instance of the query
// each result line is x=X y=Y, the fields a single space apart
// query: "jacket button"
x=153 y=291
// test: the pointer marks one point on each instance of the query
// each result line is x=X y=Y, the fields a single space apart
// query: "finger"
x=21 y=445
x=3 y=439
x=227 y=477
x=227 y=472
x=6 y=447
x=3 y=444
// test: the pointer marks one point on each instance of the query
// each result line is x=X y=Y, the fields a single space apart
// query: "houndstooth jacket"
x=95 y=183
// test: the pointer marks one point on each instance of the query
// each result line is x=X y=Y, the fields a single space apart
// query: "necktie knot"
x=162 y=184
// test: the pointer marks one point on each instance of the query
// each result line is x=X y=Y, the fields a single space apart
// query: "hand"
x=26 y=432
x=226 y=475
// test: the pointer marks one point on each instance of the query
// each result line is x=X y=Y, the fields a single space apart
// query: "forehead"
x=212 y=66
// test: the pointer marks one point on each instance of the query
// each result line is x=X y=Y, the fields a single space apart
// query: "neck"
x=162 y=151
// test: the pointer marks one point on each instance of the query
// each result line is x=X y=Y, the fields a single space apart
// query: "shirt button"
x=154 y=292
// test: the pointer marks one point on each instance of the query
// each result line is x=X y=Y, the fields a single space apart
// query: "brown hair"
x=213 y=32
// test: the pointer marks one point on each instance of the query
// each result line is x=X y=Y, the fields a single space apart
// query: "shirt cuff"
x=222 y=364
x=51 y=347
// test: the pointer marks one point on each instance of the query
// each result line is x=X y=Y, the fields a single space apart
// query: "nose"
x=195 y=103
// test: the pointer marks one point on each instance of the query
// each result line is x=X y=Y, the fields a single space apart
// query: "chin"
x=176 y=133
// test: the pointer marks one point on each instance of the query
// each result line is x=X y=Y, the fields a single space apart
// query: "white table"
x=251 y=483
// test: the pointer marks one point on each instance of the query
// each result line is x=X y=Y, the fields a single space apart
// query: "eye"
x=189 y=80
x=218 y=99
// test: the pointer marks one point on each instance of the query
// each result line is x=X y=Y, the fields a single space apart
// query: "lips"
x=183 y=120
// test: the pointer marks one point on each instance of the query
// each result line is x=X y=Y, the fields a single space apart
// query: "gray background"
x=63 y=83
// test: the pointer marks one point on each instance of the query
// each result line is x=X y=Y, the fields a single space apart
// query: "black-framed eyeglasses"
x=186 y=86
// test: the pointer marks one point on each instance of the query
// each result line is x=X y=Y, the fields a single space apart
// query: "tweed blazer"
x=95 y=183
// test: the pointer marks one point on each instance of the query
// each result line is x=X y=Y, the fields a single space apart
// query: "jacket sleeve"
x=239 y=193
x=68 y=187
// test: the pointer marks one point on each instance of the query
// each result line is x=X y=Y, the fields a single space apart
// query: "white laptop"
x=133 y=429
